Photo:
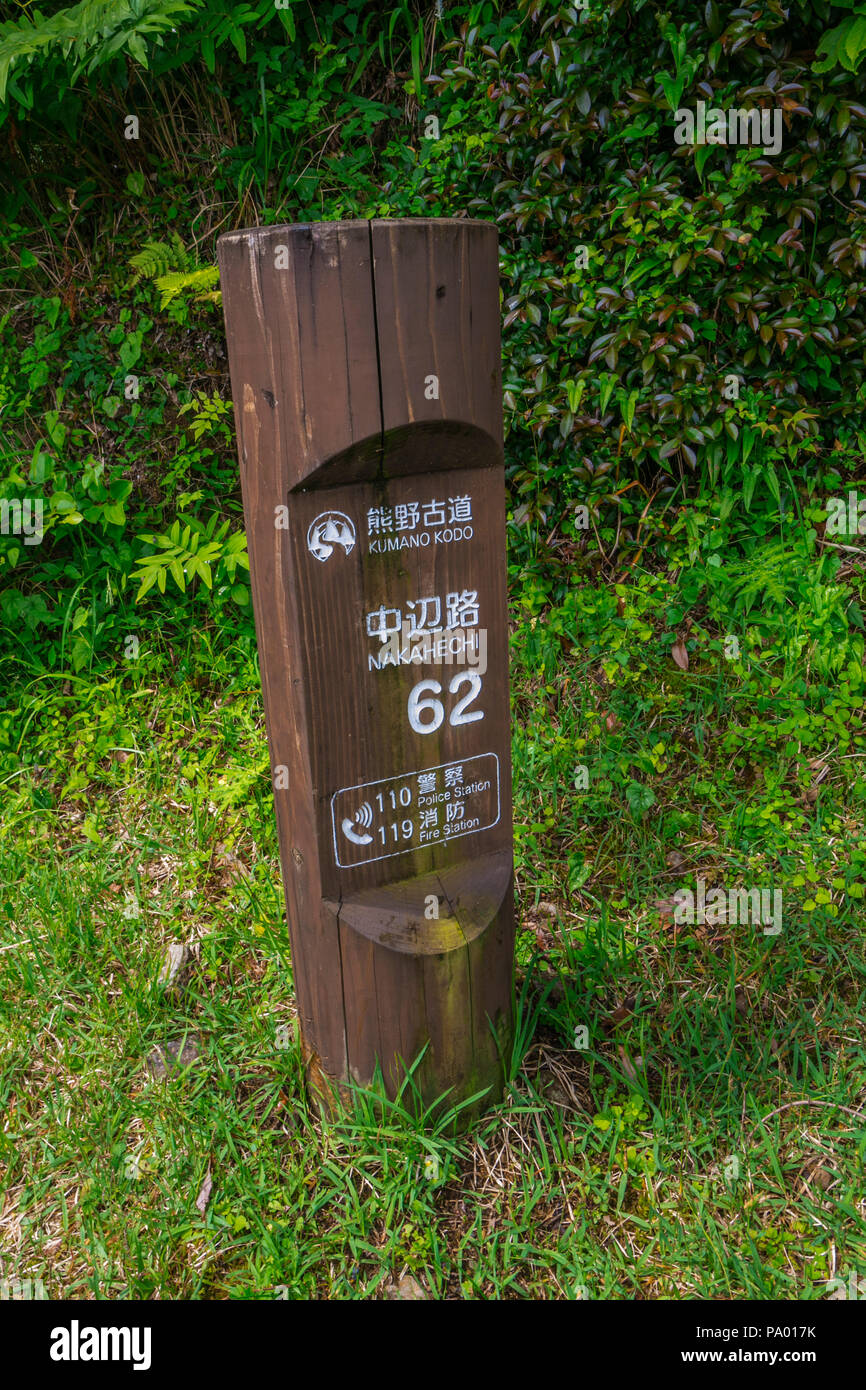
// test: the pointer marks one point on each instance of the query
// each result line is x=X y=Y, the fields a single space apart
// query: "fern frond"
x=157 y=258
x=93 y=29
x=178 y=282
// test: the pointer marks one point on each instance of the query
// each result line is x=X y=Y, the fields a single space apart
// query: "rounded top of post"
x=288 y=228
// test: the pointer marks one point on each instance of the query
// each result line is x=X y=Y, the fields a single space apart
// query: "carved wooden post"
x=365 y=366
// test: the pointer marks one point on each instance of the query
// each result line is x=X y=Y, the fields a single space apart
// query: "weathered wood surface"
x=334 y=331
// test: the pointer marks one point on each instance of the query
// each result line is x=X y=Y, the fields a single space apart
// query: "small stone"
x=173 y=1056
x=406 y=1288
x=203 y=1197
x=175 y=958
x=555 y=1093
x=175 y=967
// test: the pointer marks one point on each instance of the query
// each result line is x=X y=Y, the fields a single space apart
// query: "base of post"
x=427 y=999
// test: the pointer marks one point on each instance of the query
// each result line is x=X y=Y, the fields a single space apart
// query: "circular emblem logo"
x=328 y=530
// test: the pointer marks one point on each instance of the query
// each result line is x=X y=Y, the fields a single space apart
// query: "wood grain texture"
x=335 y=332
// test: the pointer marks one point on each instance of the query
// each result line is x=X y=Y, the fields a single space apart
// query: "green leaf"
x=416 y=64
x=750 y=479
x=147 y=582
x=702 y=154
x=640 y=798
x=773 y=483
x=749 y=437
x=238 y=38
x=287 y=20
x=827 y=51
x=607 y=389
x=855 y=41
x=672 y=88
x=136 y=45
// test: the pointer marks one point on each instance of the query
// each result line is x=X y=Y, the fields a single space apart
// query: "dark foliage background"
x=556 y=122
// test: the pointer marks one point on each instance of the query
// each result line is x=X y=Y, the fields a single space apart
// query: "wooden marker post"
x=365 y=367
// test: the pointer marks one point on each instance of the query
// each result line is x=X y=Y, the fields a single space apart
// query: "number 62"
x=420 y=701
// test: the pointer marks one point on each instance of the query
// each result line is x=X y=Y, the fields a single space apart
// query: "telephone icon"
x=363 y=818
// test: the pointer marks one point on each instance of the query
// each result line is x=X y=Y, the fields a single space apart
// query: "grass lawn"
x=685 y=1112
